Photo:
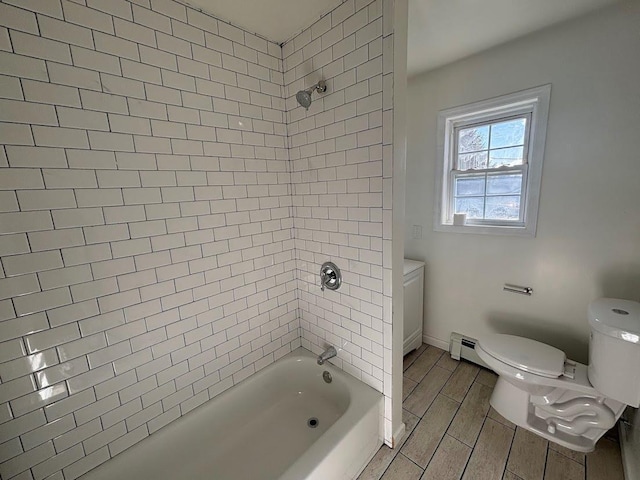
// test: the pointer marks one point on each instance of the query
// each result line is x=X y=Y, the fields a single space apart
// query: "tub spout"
x=326 y=355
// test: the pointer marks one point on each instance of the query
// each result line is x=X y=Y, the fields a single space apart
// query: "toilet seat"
x=524 y=354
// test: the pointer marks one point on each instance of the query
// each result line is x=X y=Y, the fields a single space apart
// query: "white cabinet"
x=413 y=304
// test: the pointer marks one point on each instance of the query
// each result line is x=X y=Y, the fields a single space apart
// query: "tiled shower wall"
x=340 y=152
x=146 y=232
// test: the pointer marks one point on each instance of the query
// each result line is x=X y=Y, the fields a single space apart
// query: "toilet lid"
x=525 y=354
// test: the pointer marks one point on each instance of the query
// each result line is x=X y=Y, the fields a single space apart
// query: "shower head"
x=304 y=96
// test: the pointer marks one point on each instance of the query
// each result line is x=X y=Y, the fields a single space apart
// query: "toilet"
x=564 y=401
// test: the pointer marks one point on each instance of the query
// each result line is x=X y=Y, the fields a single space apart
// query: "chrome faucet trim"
x=326 y=355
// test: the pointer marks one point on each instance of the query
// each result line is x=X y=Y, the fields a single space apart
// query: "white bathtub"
x=258 y=430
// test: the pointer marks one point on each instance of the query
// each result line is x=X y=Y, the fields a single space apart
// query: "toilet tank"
x=614 y=349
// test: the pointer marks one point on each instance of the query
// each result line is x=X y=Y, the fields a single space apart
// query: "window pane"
x=469 y=185
x=507 y=134
x=506 y=156
x=503 y=208
x=472 y=161
x=472 y=206
x=473 y=139
x=504 y=184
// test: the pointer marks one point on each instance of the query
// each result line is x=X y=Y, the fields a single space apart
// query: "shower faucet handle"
x=330 y=276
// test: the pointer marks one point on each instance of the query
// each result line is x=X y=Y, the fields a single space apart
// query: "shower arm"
x=319 y=87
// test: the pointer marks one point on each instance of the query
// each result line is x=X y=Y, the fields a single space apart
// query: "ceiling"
x=275 y=20
x=442 y=31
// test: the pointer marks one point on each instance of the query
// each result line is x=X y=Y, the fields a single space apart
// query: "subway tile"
x=18 y=19
x=79 y=217
x=60 y=137
x=122 y=86
x=64 y=276
x=202 y=20
x=89 y=379
x=23 y=66
x=174 y=45
x=73 y=76
x=78 y=118
x=87 y=254
x=116 y=46
x=22 y=285
x=15 y=134
x=19 y=179
x=117 y=8
x=111 y=141
x=10 y=88
x=68 y=178
x=64 y=31
x=10 y=449
x=42 y=48
x=92 y=60
x=140 y=71
x=17 y=111
x=31 y=262
x=90 y=160
x=18 y=327
x=88 y=17
x=16 y=388
x=103 y=102
x=151 y=19
x=38 y=302
x=75 y=312
x=38 y=342
x=135 y=32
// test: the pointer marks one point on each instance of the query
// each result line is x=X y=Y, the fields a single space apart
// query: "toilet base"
x=517 y=406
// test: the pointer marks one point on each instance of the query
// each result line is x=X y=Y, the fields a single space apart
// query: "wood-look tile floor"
x=453 y=433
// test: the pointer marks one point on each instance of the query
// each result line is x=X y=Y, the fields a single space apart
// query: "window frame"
x=533 y=102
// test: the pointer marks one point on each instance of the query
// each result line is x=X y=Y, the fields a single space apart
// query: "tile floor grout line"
x=513 y=439
x=423 y=469
x=546 y=461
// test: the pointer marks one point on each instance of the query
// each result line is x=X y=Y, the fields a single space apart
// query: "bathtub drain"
x=312 y=422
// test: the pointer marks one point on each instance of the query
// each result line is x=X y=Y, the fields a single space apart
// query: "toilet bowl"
x=564 y=401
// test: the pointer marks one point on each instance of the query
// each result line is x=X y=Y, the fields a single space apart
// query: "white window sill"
x=518 y=231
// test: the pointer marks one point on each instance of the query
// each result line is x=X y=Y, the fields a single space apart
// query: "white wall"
x=146 y=231
x=588 y=239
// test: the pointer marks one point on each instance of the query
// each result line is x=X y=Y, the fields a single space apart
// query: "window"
x=490 y=164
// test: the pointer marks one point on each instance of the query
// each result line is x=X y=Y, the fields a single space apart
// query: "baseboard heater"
x=463 y=347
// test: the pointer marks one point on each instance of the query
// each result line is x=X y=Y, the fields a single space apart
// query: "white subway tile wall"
x=146 y=230
x=340 y=151
x=165 y=206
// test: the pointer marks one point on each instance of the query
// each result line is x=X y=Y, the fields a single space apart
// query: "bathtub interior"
x=259 y=428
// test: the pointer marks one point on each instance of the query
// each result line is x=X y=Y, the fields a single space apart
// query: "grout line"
x=513 y=438
x=546 y=460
